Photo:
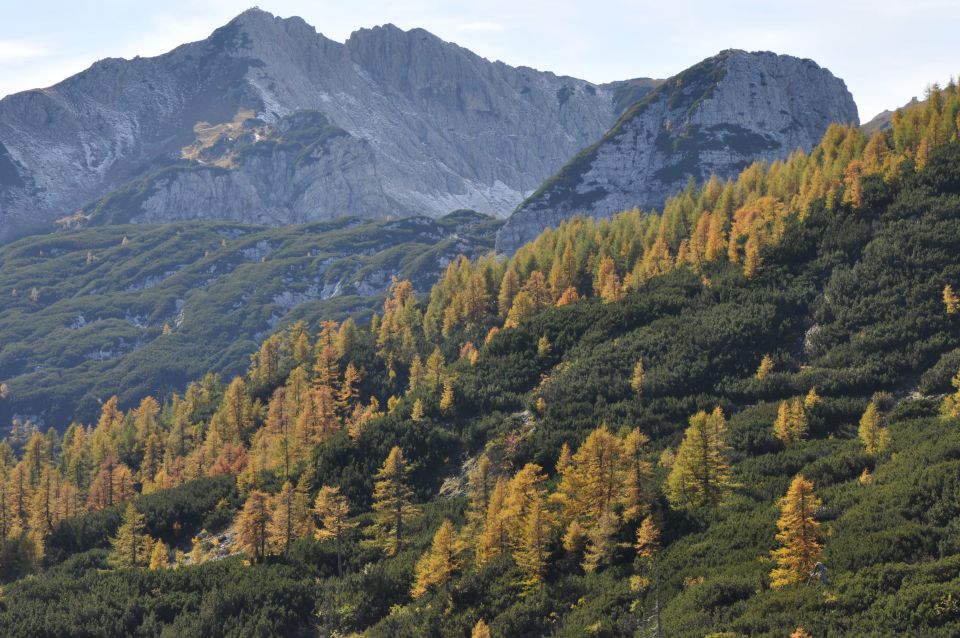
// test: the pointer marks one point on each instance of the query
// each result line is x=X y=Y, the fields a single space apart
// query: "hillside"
x=714 y=118
x=738 y=417
x=84 y=311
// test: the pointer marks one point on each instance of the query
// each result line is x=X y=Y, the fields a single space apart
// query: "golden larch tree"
x=281 y=529
x=438 y=565
x=480 y=630
x=446 y=398
x=765 y=367
x=568 y=296
x=591 y=481
x=800 y=537
x=950 y=408
x=781 y=426
x=791 y=423
x=701 y=473
x=416 y=412
x=524 y=488
x=392 y=503
x=950 y=300
x=530 y=551
x=874 y=437
x=494 y=539
x=333 y=513
x=129 y=547
x=160 y=556
x=253 y=524
x=636 y=380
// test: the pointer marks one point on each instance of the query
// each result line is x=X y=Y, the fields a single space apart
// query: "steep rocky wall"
x=714 y=118
x=430 y=127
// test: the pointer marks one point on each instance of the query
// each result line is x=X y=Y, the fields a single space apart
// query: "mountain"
x=714 y=118
x=738 y=417
x=884 y=120
x=86 y=312
x=269 y=122
x=848 y=303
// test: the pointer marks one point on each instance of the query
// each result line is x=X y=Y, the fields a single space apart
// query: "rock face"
x=714 y=118
x=267 y=121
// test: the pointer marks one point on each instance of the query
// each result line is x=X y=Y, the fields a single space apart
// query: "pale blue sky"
x=886 y=50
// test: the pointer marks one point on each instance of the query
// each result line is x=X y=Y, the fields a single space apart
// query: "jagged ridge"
x=428 y=127
x=714 y=118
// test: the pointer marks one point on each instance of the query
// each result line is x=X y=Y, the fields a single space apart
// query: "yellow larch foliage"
x=701 y=474
x=494 y=539
x=950 y=300
x=333 y=513
x=950 y=408
x=874 y=437
x=392 y=503
x=765 y=368
x=438 y=565
x=799 y=535
x=530 y=549
x=447 y=401
x=636 y=380
x=252 y=525
x=160 y=556
x=480 y=630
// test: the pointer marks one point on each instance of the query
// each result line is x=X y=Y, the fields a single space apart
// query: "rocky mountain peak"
x=713 y=118
x=267 y=121
x=404 y=124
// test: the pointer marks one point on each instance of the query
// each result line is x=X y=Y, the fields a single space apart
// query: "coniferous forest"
x=735 y=416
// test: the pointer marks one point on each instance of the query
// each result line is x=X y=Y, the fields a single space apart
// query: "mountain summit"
x=268 y=121
x=715 y=118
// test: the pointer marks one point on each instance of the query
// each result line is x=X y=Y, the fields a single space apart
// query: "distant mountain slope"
x=714 y=118
x=390 y=122
x=83 y=312
x=884 y=120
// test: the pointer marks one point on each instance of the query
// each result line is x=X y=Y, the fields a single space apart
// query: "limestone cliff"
x=267 y=121
x=714 y=118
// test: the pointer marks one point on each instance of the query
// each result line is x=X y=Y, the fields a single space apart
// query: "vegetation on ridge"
x=742 y=445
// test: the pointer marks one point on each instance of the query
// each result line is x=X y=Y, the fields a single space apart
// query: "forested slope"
x=137 y=309
x=740 y=440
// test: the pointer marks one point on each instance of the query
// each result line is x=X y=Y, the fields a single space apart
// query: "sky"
x=887 y=51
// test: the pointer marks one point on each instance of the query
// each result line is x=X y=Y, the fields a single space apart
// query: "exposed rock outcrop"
x=405 y=124
x=714 y=118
